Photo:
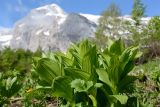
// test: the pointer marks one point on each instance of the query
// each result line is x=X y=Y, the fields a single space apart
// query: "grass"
x=148 y=83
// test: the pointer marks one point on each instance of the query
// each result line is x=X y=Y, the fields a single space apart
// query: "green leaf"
x=62 y=87
x=107 y=60
x=86 y=64
x=14 y=89
x=128 y=68
x=133 y=53
x=121 y=98
x=126 y=81
x=117 y=47
x=66 y=60
x=124 y=58
x=76 y=73
x=104 y=77
x=77 y=58
x=138 y=55
x=49 y=55
x=80 y=85
x=84 y=47
x=10 y=87
x=48 y=69
x=89 y=63
x=0 y=75
x=127 y=61
x=10 y=82
x=98 y=85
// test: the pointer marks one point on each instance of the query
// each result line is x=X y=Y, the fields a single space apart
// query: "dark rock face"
x=77 y=27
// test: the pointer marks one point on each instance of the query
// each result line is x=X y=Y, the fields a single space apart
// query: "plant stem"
x=94 y=101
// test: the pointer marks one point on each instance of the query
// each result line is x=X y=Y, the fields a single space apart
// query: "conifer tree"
x=110 y=25
x=138 y=11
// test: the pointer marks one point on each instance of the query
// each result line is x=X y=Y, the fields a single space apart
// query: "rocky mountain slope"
x=49 y=28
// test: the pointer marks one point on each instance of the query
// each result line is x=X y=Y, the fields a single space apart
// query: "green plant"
x=147 y=86
x=152 y=38
x=82 y=74
x=62 y=69
x=138 y=11
x=117 y=62
x=111 y=25
x=8 y=88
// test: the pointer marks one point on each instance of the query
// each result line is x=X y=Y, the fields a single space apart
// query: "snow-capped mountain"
x=50 y=28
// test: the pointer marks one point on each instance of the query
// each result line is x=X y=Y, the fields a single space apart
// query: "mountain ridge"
x=50 y=28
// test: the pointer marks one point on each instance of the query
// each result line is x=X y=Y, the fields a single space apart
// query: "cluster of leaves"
x=8 y=88
x=85 y=76
x=84 y=70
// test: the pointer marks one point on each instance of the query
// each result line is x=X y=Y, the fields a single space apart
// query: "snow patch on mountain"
x=93 y=18
x=46 y=33
x=4 y=38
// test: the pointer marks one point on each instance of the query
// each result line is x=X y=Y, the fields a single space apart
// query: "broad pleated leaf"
x=62 y=87
x=104 y=77
x=121 y=98
x=66 y=60
x=117 y=47
x=89 y=60
x=48 y=69
x=84 y=47
x=81 y=85
x=76 y=73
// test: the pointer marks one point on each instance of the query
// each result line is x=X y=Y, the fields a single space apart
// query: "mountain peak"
x=50 y=9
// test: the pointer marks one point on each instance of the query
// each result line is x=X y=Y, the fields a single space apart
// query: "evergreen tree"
x=109 y=25
x=154 y=28
x=152 y=37
x=138 y=11
x=137 y=30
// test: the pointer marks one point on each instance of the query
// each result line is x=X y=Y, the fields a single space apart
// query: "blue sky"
x=13 y=10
